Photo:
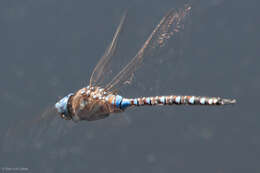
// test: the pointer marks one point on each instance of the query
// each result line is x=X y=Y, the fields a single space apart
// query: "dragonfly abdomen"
x=122 y=103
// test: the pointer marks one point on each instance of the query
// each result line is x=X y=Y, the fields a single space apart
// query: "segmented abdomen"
x=120 y=102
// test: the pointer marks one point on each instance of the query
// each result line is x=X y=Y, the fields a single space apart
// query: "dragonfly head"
x=62 y=107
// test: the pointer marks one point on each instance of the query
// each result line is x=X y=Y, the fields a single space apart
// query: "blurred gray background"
x=48 y=48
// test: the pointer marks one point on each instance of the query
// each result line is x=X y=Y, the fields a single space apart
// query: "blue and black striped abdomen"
x=123 y=103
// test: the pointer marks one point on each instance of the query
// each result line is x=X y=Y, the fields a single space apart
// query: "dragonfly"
x=99 y=100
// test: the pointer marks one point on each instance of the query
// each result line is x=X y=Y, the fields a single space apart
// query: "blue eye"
x=61 y=105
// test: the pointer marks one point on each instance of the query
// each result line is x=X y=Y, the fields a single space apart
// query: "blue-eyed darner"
x=98 y=100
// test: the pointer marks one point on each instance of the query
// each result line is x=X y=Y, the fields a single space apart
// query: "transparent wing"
x=45 y=129
x=170 y=24
x=102 y=66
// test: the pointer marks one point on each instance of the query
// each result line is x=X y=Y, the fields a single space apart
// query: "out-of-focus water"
x=49 y=48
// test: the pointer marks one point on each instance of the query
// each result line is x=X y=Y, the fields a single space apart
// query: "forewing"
x=45 y=129
x=102 y=67
x=170 y=24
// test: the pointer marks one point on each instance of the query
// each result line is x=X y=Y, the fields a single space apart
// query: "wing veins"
x=165 y=24
x=100 y=69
